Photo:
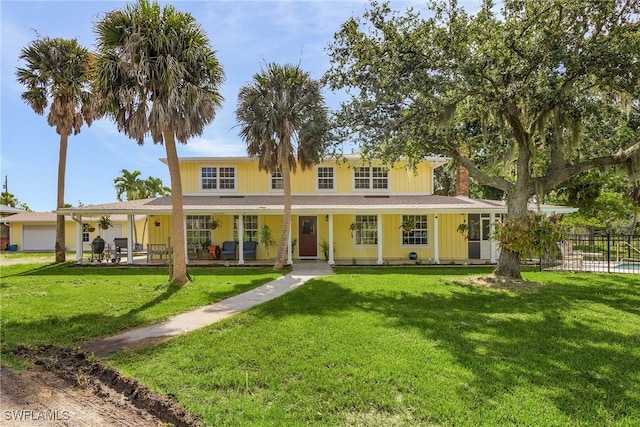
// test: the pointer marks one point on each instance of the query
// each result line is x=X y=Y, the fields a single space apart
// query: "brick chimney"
x=462 y=181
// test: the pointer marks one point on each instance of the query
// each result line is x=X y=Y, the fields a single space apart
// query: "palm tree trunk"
x=60 y=224
x=286 y=221
x=179 y=271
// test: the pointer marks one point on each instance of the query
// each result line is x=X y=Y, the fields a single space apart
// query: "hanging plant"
x=464 y=230
x=408 y=225
x=355 y=226
x=105 y=222
x=88 y=228
x=215 y=223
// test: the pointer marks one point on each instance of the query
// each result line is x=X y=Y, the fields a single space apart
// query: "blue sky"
x=245 y=34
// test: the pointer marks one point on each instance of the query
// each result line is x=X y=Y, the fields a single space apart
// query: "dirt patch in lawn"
x=66 y=387
x=501 y=283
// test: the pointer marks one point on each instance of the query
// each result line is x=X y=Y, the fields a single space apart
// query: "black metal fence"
x=606 y=253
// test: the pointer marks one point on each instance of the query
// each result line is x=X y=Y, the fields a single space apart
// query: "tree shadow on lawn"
x=77 y=329
x=561 y=340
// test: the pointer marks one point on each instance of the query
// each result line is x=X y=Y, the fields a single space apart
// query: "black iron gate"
x=606 y=253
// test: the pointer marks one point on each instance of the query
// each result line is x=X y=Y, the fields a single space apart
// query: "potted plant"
x=215 y=223
x=105 y=222
x=88 y=228
x=324 y=246
x=267 y=239
x=408 y=225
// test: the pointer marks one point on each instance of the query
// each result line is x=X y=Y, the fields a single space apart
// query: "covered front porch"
x=336 y=229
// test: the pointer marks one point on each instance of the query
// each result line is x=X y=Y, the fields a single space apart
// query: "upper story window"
x=418 y=232
x=370 y=178
x=276 y=180
x=218 y=178
x=326 y=178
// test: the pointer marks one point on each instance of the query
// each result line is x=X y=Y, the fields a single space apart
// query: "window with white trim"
x=370 y=178
x=276 y=180
x=366 y=232
x=199 y=229
x=249 y=228
x=325 y=178
x=218 y=178
x=86 y=236
x=419 y=233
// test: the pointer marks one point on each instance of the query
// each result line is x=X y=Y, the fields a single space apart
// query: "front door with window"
x=308 y=236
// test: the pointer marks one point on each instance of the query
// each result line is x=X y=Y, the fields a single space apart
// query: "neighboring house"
x=355 y=208
x=4 y=229
x=36 y=231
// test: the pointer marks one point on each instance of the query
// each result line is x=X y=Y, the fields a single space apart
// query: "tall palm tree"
x=58 y=71
x=283 y=120
x=157 y=76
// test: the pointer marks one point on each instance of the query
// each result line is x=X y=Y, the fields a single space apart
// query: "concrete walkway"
x=186 y=322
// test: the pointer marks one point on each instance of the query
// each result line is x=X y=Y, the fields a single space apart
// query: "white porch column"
x=436 y=243
x=290 y=244
x=331 y=260
x=493 y=245
x=130 y=237
x=240 y=239
x=186 y=246
x=79 y=243
x=380 y=260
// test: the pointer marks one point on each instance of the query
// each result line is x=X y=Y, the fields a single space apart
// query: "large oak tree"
x=525 y=96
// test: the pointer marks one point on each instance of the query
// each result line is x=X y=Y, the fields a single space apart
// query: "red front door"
x=308 y=236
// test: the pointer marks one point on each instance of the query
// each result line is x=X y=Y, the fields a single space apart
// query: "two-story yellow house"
x=346 y=211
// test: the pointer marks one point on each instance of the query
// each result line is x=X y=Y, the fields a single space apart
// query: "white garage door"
x=39 y=237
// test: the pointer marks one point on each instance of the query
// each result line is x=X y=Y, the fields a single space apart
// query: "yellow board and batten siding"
x=250 y=180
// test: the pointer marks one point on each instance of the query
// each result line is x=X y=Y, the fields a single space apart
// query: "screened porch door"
x=308 y=236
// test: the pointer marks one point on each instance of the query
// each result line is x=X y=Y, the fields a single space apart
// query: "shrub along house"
x=355 y=211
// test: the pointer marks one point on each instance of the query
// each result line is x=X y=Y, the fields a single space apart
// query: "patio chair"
x=249 y=250
x=228 y=250
x=571 y=259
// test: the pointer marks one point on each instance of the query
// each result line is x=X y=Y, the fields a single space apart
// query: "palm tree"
x=283 y=120
x=58 y=71
x=128 y=183
x=153 y=187
x=158 y=77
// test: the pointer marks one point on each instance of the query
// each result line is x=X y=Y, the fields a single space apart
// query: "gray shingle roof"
x=300 y=204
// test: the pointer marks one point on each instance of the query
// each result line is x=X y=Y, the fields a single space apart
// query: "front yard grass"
x=65 y=305
x=413 y=346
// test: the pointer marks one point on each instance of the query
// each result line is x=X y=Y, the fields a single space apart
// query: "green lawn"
x=367 y=346
x=413 y=346
x=67 y=305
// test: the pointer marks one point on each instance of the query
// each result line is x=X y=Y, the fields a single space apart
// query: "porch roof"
x=306 y=204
